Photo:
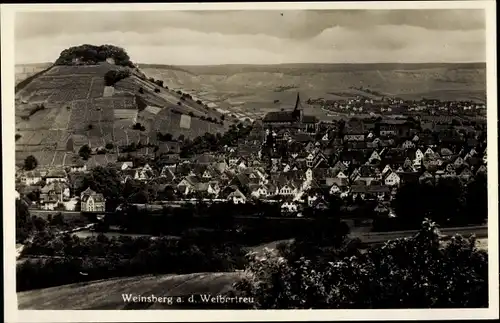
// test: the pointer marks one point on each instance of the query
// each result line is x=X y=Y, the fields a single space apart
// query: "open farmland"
x=185 y=122
x=79 y=110
x=258 y=86
x=69 y=297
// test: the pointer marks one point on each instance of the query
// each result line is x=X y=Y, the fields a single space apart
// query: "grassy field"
x=107 y=294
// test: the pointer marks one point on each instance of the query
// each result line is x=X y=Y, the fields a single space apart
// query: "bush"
x=414 y=272
x=157 y=90
x=36 y=108
x=30 y=162
x=90 y=127
x=141 y=90
x=84 y=152
x=109 y=145
x=191 y=114
x=138 y=126
x=164 y=137
x=112 y=77
x=141 y=103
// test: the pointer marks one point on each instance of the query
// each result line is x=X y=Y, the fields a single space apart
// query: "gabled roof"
x=192 y=180
x=57 y=173
x=32 y=174
x=279 y=116
x=167 y=173
x=98 y=197
x=236 y=193
x=204 y=159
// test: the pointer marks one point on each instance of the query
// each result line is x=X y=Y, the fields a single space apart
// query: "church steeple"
x=297 y=113
x=297 y=102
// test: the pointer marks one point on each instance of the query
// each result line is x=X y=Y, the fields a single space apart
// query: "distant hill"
x=249 y=85
x=23 y=71
x=61 y=107
x=90 y=295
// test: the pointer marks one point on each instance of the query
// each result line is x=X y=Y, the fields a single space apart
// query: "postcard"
x=250 y=161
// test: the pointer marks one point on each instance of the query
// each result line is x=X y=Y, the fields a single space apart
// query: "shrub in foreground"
x=416 y=272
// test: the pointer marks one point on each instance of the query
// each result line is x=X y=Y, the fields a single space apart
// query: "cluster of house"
x=292 y=159
x=360 y=165
x=55 y=189
x=362 y=104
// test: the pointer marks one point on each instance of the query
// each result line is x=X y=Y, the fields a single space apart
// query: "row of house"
x=367 y=160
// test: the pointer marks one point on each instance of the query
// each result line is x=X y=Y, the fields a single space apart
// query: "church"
x=294 y=119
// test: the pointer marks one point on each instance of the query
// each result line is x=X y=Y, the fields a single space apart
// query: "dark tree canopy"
x=30 y=162
x=90 y=55
x=84 y=152
x=416 y=272
x=112 y=77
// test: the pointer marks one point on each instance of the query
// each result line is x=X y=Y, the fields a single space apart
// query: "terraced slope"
x=79 y=109
x=107 y=294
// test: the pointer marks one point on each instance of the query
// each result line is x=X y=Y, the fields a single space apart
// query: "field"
x=253 y=89
x=79 y=106
x=107 y=294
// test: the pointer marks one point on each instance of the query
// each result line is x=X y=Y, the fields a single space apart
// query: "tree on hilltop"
x=90 y=54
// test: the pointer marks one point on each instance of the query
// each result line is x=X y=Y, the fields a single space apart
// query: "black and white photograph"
x=250 y=156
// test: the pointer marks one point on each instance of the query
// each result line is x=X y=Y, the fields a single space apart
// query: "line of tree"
x=114 y=76
x=101 y=257
x=164 y=137
x=214 y=142
x=449 y=202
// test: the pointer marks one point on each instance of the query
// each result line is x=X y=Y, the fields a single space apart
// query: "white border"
x=8 y=80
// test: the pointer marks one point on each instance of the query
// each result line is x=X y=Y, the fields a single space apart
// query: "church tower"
x=297 y=113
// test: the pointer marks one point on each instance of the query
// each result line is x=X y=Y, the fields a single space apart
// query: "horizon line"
x=278 y=64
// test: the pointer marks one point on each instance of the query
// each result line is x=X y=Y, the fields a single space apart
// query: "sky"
x=259 y=37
